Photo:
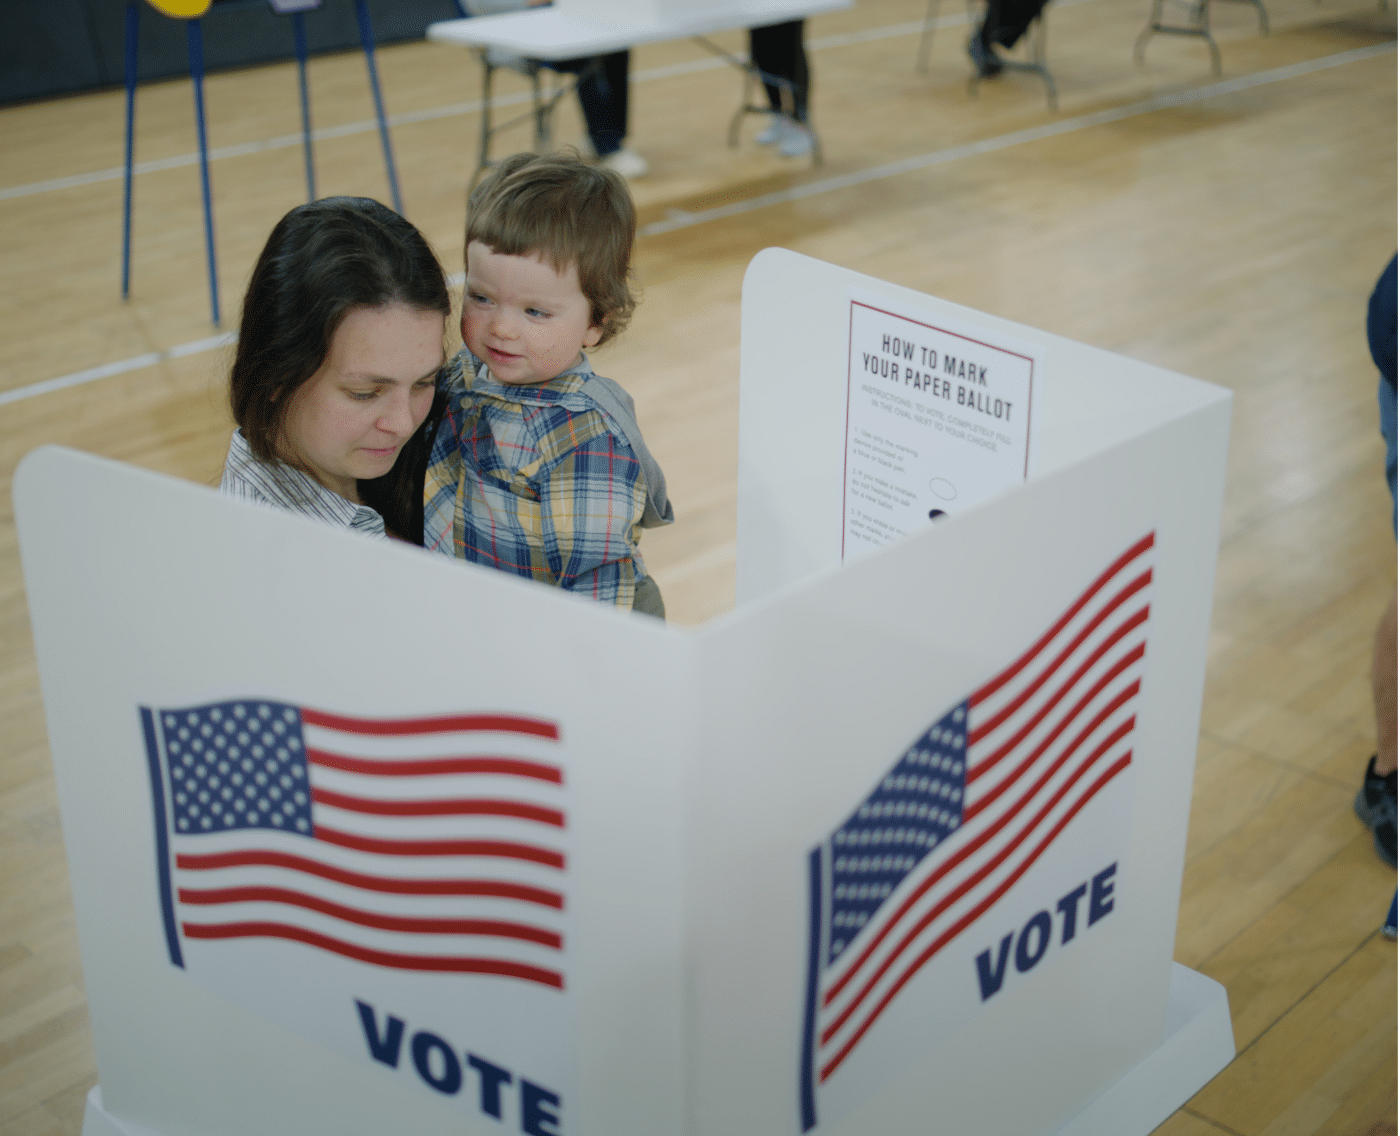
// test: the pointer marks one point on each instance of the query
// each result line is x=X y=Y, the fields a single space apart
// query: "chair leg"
x=540 y=114
x=483 y=158
x=195 y=38
x=975 y=82
x=1040 y=58
x=745 y=100
x=367 y=42
x=1140 y=44
x=1200 y=28
x=133 y=19
x=926 y=37
x=1203 y=14
x=299 y=32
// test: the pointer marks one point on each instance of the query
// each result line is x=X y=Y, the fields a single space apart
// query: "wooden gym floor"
x=1227 y=228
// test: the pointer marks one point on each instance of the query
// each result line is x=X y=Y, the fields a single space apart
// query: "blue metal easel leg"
x=367 y=41
x=133 y=21
x=299 y=30
x=196 y=45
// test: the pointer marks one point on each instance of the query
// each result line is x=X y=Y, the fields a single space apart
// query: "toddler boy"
x=538 y=466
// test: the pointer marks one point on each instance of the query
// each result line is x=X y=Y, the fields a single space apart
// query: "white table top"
x=546 y=33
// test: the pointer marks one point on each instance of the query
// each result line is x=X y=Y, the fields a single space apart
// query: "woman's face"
x=350 y=419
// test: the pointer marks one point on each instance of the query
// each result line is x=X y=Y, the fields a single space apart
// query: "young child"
x=539 y=467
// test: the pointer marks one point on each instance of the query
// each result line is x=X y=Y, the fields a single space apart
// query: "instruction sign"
x=937 y=419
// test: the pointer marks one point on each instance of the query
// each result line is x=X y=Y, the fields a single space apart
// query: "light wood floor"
x=1233 y=235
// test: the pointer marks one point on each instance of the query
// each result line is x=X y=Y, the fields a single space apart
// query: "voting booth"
x=364 y=840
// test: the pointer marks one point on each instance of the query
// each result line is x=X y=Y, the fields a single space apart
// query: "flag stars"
x=244 y=777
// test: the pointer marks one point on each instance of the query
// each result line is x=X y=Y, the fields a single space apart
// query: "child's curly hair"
x=565 y=211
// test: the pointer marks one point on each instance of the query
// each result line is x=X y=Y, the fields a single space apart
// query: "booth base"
x=97 y=1121
x=1199 y=1042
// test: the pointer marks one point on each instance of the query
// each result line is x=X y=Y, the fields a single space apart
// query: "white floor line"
x=679 y=219
x=92 y=374
x=682 y=220
x=452 y=110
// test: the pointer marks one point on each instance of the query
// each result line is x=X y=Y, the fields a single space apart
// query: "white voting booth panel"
x=798 y=881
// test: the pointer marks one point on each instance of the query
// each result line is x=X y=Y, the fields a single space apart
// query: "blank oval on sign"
x=943 y=489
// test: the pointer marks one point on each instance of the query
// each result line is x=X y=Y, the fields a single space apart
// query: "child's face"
x=352 y=417
x=527 y=321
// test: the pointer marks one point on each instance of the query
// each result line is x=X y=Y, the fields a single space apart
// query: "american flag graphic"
x=967 y=809
x=423 y=844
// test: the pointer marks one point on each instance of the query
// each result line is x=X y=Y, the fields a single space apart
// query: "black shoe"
x=983 y=57
x=1375 y=805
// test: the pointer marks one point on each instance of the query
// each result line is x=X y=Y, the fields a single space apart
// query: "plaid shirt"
x=533 y=480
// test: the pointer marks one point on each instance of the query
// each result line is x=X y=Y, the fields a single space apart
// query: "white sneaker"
x=797 y=141
x=772 y=134
x=628 y=163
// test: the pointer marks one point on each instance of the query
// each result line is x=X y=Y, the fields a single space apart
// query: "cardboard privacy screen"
x=364 y=840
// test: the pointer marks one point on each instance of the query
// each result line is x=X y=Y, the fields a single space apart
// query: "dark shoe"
x=983 y=57
x=1375 y=805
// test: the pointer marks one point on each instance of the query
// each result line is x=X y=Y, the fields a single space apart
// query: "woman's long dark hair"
x=322 y=260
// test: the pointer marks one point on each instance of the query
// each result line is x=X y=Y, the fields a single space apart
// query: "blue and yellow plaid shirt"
x=532 y=480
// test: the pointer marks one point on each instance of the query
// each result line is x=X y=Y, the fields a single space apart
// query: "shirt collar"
x=289 y=488
x=564 y=384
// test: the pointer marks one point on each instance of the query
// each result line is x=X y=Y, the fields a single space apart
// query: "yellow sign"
x=181 y=9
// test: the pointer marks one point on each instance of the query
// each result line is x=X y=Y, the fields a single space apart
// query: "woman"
x=339 y=348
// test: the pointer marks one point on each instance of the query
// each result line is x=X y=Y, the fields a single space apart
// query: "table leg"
x=133 y=20
x=196 y=47
x=367 y=42
x=299 y=32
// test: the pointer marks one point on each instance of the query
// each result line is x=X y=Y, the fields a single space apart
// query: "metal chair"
x=547 y=86
x=1199 y=26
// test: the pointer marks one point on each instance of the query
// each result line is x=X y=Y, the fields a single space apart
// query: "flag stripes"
x=428 y=843
x=976 y=801
x=391 y=884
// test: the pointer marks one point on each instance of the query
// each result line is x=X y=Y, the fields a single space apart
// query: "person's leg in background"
x=1005 y=23
x=777 y=50
x=603 y=93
